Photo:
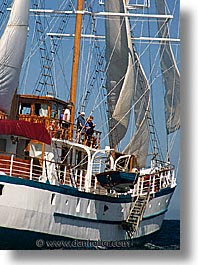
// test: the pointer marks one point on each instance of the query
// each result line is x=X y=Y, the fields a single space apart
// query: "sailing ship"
x=56 y=183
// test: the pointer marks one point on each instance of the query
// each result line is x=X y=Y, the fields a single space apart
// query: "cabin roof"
x=47 y=99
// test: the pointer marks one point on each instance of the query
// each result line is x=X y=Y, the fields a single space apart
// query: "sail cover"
x=12 y=48
x=139 y=142
x=120 y=73
x=170 y=73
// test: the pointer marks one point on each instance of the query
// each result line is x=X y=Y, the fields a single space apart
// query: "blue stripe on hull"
x=105 y=221
x=64 y=189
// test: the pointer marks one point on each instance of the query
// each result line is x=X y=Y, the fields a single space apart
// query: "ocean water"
x=168 y=238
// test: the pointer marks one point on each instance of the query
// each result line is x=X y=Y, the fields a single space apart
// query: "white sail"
x=171 y=75
x=139 y=143
x=12 y=48
x=120 y=73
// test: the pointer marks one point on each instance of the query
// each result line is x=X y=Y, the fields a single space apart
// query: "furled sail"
x=120 y=73
x=171 y=75
x=12 y=48
x=139 y=142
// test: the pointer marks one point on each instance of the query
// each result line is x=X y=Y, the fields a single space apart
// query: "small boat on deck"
x=118 y=181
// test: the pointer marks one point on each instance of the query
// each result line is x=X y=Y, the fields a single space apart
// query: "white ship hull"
x=53 y=212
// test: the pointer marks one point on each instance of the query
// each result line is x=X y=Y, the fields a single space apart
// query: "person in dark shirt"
x=89 y=129
x=80 y=127
x=81 y=121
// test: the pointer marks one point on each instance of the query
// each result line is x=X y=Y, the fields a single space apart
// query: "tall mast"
x=75 y=64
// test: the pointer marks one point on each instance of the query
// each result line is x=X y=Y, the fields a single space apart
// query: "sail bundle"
x=170 y=74
x=127 y=85
x=12 y=49
x=139 y=142
x=120 y=72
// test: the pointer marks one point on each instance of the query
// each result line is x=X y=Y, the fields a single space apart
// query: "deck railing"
x=57 y=130
x=154 y=182
x=3 y=116
x=37 y=170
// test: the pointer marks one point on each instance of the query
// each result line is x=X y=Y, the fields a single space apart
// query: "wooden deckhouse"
x=43 y=109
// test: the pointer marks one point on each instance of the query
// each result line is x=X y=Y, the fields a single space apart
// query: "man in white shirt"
x=66 y=115
x=66 y=118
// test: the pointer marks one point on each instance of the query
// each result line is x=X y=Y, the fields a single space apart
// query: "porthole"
x=106 y=208
x=53 y=199
x=1 y=189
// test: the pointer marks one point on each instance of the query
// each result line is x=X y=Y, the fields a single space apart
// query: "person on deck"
x=53 y=128
x=89 y=129
x=80 y=126
x=66 y=117
x=66 y=121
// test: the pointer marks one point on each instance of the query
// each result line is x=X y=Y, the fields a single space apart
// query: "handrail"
x=28 y=169
x=57 y=130
x=24 y=168
x=156 y=181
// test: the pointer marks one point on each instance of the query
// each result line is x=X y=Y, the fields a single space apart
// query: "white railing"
x=77 y=177
x=27 y=169
x=12 y=166
x=154 y=182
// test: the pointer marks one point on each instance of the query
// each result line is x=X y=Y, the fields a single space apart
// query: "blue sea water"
x=168 y=238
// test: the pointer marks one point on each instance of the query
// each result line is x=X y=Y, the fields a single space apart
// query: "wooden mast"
x=75 y=64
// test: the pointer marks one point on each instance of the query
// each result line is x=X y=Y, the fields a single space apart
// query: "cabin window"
x=25 y=109
x=53 y=111
x=60 y=112
x=137 y=2
x=37 y=109
x=3 y=145
x=21 y=146
x=43 y=110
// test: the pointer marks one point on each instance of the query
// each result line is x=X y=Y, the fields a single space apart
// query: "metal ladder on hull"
x=132 y=221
